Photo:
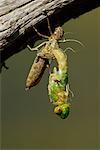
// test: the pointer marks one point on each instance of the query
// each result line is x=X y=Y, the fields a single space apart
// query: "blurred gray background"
x=27 y=118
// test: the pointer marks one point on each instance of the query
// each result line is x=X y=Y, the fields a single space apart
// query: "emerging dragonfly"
x=58 y=87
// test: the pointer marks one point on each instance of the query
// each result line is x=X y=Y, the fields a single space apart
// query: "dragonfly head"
x=62 y=110
x=58 y=33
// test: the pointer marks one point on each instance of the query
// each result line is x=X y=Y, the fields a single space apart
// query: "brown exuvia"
x=37 y=69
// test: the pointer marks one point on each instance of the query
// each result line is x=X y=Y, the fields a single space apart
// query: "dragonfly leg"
x=48 y=21
x=31 y=49
x=71 y=40
x=70 y=48
x=71 y=94
x=44 y=36
x=36 y=48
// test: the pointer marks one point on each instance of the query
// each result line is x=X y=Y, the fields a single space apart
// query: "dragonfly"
x=58 y=87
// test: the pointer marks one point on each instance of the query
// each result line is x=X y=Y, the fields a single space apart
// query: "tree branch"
x=17 y=19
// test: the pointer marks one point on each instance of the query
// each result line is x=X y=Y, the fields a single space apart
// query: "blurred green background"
x=27 y=118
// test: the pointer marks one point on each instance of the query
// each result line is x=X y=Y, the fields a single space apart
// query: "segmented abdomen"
x=36 y=72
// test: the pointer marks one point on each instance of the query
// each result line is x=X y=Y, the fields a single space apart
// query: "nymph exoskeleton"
x=37 y=69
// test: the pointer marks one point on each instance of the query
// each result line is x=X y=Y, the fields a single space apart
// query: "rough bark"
x=18 y=16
